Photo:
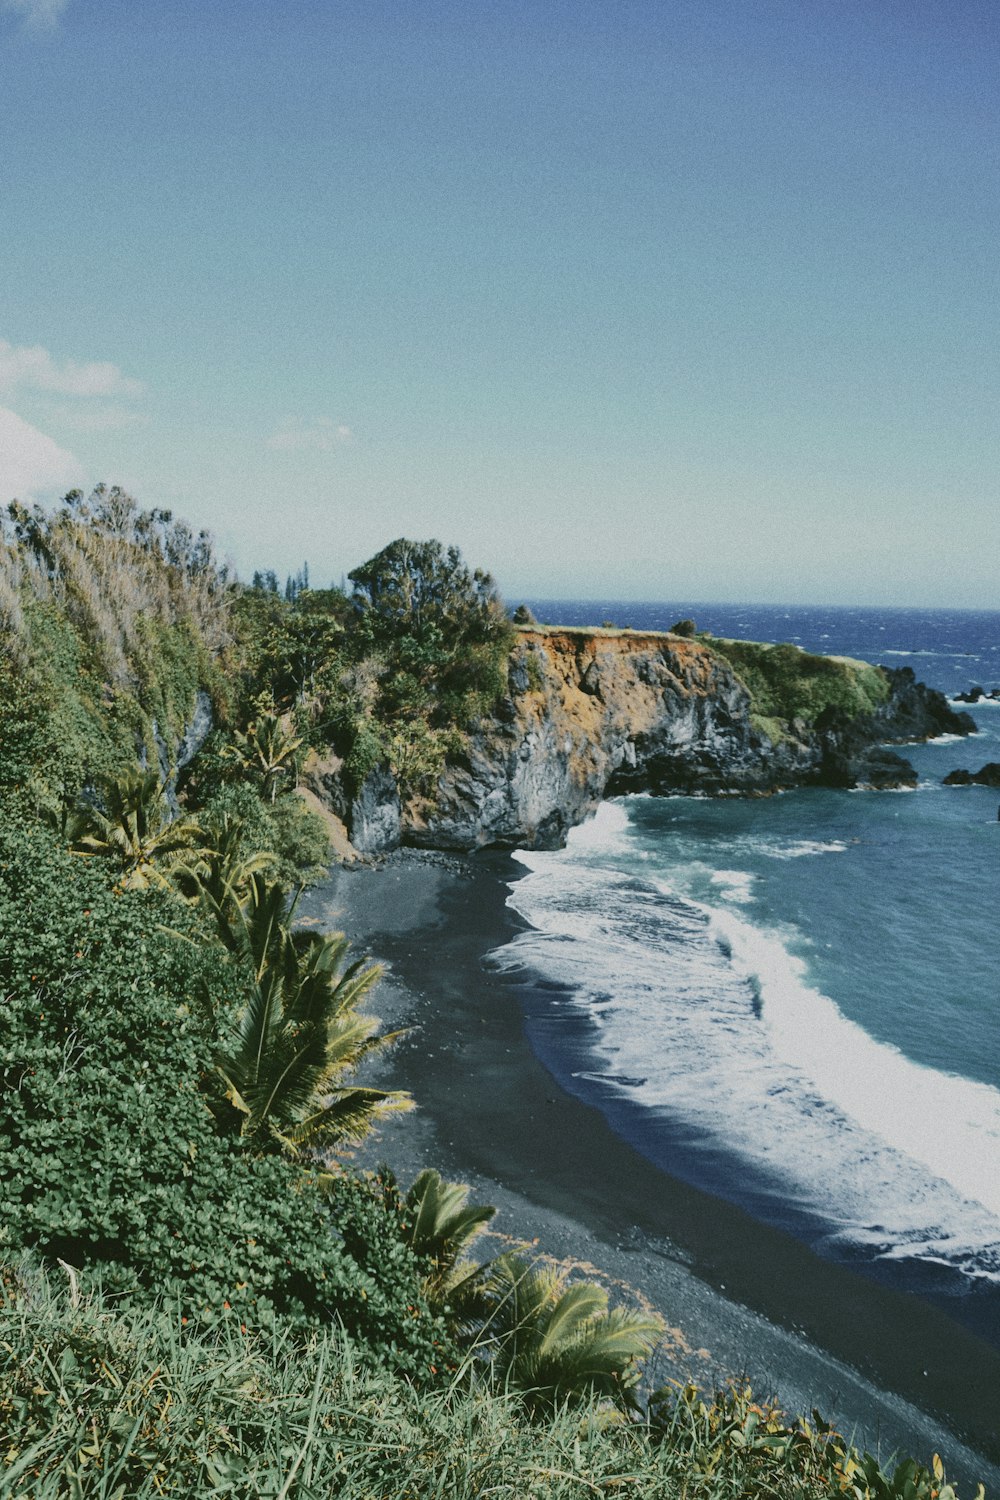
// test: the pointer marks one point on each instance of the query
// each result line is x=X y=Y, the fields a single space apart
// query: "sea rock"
x=988 y=775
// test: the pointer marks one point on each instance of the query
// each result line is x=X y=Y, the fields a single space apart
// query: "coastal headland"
x=590 y=713
x=739 y=1298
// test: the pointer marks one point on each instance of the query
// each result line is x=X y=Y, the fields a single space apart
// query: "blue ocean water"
x=794 y=1002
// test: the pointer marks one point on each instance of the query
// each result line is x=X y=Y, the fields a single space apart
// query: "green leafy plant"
x=441 y=636
x=441 y=1225
x=266 y=754
x=786 y=683
x=298 y=1032
x=557 y=1341
x=131 y=824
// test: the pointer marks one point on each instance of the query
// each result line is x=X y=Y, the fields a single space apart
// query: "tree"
x=266 y=754
x=299 y=1032
x=441 y=632
x=131 y=824
x=221 y=876
x=422 y=592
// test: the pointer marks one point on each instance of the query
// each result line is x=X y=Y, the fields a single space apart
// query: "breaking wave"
x=701 y=1027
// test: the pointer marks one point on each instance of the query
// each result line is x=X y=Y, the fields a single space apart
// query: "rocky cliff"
x=592 y=713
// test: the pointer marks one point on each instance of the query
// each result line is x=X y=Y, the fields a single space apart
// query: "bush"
x=109 y=1152
x=295 y=838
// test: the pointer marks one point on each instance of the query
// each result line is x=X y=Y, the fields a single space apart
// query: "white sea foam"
x=946 y=654
x=735 y=885
x=801 y=848
x=708 y=1023
x=950 y=1124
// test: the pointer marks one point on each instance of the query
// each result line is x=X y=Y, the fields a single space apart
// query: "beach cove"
x=739 y=1297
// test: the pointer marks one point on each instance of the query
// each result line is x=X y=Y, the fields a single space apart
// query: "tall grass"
x=99 y=1402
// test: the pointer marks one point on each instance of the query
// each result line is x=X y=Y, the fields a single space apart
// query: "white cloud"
x=33 y=368
x=39 y=13
x=318 y=433
x=32 y=466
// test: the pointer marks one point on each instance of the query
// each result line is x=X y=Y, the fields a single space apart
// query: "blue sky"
x=644 y=300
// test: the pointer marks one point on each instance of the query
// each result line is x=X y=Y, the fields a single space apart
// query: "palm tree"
x=557 y=1341
x=219 y=878
x=441 y=1226
x=266 y=753
x=133 y=825
x=299 y=1033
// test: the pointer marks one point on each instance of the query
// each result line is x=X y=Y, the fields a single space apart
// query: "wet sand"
x=739 y=1298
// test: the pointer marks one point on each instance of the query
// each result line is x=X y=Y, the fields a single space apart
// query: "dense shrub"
x=109 y=1152
x=294 y=837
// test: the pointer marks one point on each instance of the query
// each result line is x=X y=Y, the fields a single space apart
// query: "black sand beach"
x=738 y=1297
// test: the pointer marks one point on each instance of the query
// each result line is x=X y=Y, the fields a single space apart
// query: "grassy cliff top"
x=785 y=682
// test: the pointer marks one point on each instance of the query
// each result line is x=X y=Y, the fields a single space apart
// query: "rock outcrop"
x=173 y=757
x=988 y=775
x=591 y=714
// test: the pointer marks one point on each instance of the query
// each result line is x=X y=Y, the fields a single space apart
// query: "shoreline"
x=738 y=1297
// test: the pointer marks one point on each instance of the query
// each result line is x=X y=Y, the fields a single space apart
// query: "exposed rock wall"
x=590 y=714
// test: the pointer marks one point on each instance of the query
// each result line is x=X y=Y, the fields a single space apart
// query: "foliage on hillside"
x=112 y=618
x=103 y=1405
x=429 y=643
x=111 y=1150
x=243 y=1314
x=786 y=683
x=392 y=674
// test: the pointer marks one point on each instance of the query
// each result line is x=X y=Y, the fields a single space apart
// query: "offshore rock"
x=988 y=775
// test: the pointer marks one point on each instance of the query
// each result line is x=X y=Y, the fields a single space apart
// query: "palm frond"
x=346 y=1119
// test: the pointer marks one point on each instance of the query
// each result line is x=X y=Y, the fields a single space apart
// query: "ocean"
x=793 y=1002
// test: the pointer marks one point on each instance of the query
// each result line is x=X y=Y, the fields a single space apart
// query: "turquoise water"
x=793 y=1002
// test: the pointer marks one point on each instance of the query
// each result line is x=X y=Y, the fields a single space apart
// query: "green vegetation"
x=786 y=683
x=131 y=824
x=113 y=620
x=393 y=674
x=117 y=1141
x=99 y=1404
x=440 y=637
x=198 y=1294
x=298 y=1031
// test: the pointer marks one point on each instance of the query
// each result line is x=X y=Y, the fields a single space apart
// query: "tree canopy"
x=416 y=588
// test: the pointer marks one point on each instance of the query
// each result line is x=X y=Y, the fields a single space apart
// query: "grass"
x=101 y=1402
x=788 y=684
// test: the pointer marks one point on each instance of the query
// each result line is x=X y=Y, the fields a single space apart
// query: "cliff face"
x=590 y=714
x=586 y=711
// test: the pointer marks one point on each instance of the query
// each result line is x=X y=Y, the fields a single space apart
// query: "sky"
x=648 y=299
